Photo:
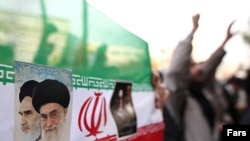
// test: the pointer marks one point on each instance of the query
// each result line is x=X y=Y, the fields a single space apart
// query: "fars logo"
x=93 y=117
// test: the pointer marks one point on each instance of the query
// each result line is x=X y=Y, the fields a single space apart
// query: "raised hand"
x=195 y=19
x=229 y=33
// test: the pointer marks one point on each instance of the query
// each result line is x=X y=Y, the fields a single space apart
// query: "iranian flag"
x=112 y=94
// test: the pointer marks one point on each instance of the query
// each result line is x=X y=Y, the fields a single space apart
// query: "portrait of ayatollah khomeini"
x=51 y=100
x=30 y=122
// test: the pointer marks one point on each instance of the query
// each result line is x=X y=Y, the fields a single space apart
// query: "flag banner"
x=44 y=39
x=6 y=90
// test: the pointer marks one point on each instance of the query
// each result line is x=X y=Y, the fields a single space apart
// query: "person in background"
x=245 y=120
x=160 y=91
x=189 y=114
x=236 y=97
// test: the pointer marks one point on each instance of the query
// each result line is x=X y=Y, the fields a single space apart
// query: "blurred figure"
x=247 y=85
x=246 y=116
x=236 y=97
x=160 y=91
x=190 y=113
x=30 y=121
x=214 y=92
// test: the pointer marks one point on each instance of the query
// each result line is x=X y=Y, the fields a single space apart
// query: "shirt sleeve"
x=178 y=76
x=209 y=67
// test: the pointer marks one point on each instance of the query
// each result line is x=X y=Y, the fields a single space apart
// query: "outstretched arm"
x=178 y=75
x=209 y=67
x=178 y=71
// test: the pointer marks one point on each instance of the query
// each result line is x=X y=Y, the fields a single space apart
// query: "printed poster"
x=43 y=99
x=123 y=110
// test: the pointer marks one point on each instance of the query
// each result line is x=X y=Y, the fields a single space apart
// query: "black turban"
x=27 y=89
x=50 y=91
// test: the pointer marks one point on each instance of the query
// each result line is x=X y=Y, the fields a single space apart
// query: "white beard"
x=50 y=136
x=56 y=133
x=33 y=135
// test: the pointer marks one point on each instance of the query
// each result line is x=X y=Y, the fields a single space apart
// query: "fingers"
x=231 y=24
x=196 y=18
x=230 y=27
x=229 y=33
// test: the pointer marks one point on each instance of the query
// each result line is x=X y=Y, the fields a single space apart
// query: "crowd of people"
x=194 y=103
